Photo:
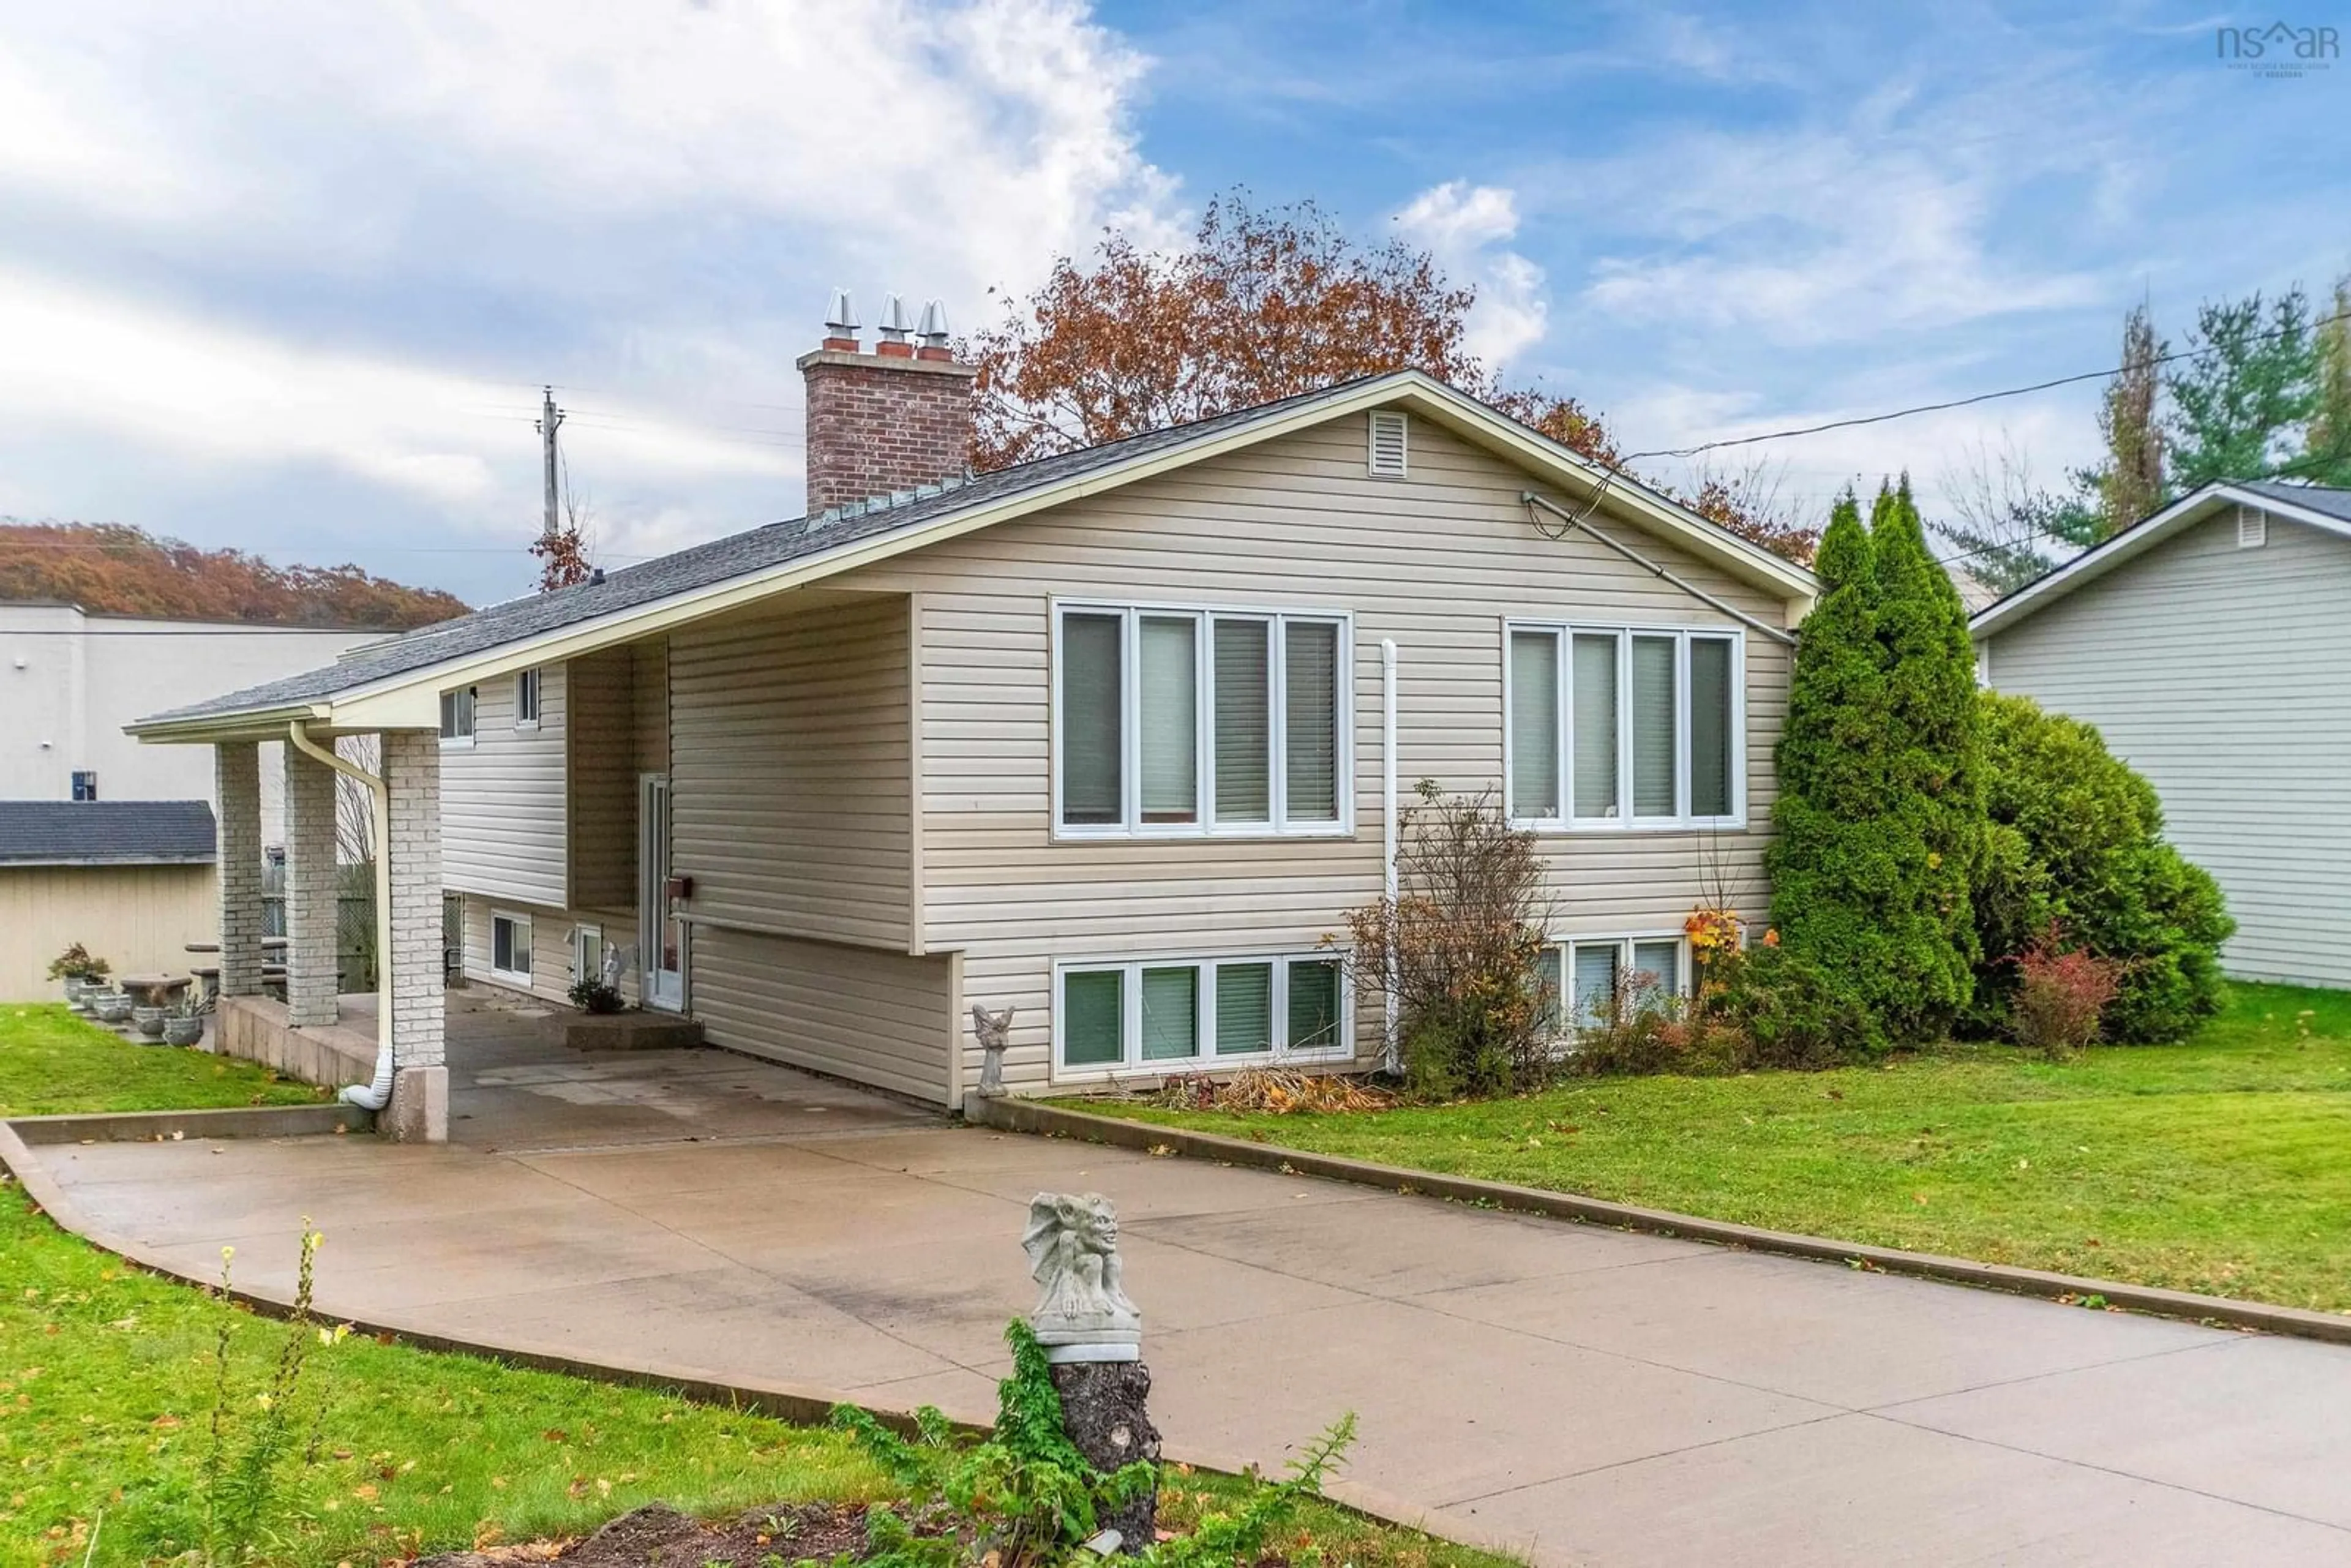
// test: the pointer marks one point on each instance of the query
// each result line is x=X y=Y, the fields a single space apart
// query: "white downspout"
x=1390 y=1059
x=374 y=1095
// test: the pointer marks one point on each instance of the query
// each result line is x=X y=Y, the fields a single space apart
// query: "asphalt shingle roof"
x=2324 y=498
x=701 y=566
x=105 y=833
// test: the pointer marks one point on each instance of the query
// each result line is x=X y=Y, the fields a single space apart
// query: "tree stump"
x=1104 y=1409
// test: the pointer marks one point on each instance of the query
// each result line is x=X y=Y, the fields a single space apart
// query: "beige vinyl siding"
x=874 y=1016
x=140 y=919
x=2218 y=674
x=1435 y=560
x=550 y=946
x=790 y=764
x=652 y=709
x=599 y=734
x=502 y=798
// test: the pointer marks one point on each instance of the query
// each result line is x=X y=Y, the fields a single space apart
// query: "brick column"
x=236 y=777
x=309 y=891
x=420 y=1091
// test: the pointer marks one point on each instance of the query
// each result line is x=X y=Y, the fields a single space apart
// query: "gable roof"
x=395 y=683
x=2316 y=505
x=106 y=833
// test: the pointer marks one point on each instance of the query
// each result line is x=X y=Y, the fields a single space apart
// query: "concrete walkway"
x=1606 y=1398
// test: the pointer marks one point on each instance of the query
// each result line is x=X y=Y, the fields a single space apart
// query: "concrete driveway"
x=1605 y=1399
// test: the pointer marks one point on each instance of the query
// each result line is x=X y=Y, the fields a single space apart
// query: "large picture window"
x=1171 y=721
x=1196 y=1013
x=1624 y=727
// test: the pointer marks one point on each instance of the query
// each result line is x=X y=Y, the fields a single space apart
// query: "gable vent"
x=2253 y=527
x=1387 y=445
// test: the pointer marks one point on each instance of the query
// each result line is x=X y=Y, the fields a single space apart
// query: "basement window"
x=1190 y=1014
x=510 y=948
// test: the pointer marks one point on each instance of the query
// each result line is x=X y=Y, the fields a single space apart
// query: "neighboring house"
x=1099 y=739
x=2209 y=644
x=129 y=880
x=69 y=681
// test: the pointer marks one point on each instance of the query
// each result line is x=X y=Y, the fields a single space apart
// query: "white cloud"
x=1811 y=237
x=84 y=361
x=1467 y=228
x=277 y=234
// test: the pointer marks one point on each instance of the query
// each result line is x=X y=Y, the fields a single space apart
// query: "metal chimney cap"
x=933 y=330
x=894 y=319
x=840 y=316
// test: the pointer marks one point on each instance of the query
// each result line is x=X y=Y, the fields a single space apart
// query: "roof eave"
x=255 y=724
x=411 y=700
x=2140 y=537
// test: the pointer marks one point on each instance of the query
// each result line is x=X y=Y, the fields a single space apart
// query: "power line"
x=1957 y=403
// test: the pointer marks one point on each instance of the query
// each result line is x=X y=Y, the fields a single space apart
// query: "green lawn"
x=52 y=1061
x=108 y=1379
x=2221 y=1165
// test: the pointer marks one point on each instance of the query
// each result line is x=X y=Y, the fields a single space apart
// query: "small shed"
x=133 y=881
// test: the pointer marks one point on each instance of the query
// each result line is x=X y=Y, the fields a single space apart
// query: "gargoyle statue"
x=1082 y=1312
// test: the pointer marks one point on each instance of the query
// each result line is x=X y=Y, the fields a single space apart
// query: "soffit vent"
x=2253 y=527
x=1388 y=444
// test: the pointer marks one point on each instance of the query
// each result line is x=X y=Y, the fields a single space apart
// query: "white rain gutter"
x=1391 y=1060
x=375 y=1094
x=1777 y=635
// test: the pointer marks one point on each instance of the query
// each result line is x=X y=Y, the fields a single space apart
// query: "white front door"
x=662 y=935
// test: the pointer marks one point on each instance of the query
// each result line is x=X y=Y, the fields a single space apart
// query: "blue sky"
x=287 y=276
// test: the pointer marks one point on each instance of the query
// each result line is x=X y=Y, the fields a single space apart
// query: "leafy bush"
x=1649 y=1030
x=1457 y=951
x=1786 y=1011
x=76 y=963
x=2076 y=838
x=2060 y=994
x=595 y=995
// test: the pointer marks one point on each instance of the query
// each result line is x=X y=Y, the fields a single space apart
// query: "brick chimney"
x=890 y=420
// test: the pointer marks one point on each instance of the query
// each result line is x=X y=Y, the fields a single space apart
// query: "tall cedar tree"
x=1933 y=808
x=1829 y=868
x=1264 y=303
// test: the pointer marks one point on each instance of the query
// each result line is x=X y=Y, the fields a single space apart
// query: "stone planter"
x=185 y=1030
x=78 y=993
x=111 y=1007
x=150 y=1022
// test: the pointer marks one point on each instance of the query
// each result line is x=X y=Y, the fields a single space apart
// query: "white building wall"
x=69 y=682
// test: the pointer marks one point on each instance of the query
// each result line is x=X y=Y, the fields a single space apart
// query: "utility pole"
x=551 y=419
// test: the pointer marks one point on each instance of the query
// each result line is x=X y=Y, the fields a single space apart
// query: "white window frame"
x=584 y=935
x=528 y=682
x=1204 y=618
x=522 y=978
x=466 y=703
x=1565 y=948
x=1204 y=1057
x=1682 y=819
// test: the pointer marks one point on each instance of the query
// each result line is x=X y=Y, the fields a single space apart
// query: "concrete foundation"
x=419 y=1111
x=257 y=1030
x=634 y=1031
